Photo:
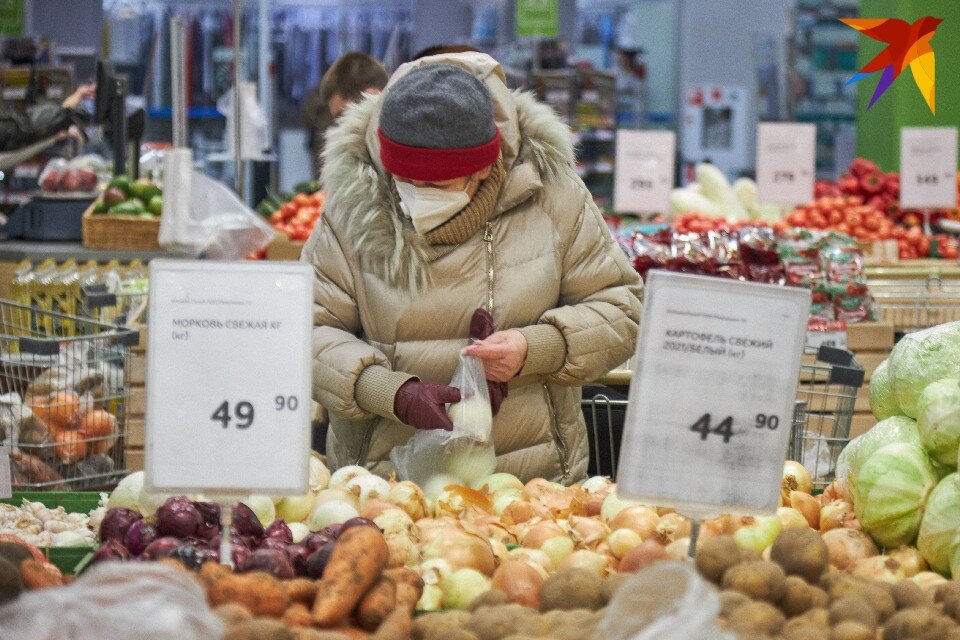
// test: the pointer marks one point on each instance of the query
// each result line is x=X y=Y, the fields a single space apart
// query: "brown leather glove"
x=481 y=327
x=421 y=404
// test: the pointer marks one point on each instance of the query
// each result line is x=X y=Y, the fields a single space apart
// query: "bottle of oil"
x=110 y=276
x=63 y=300
x=18 y=322
x=57 y=325
x=133 y=291
x=87 y=275
x=39 y=303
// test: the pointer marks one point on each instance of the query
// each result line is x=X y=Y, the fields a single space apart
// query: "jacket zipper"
x=557 y=436
x=488 y=240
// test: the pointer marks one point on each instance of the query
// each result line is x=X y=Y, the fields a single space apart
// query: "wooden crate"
x=137 y=403
x=105 y=231
x=134 y=458
x=870 y=336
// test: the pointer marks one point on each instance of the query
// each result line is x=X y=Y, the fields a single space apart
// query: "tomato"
x=872 y=222
x=835 y=216
x=276 y=217
x=301 y=200
x=923 y=246
x=796 y=219
x=854 y=218
x=288 y=210
x=817 y=221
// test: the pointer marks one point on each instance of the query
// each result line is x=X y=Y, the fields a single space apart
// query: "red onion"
x=273 y=561
x=116 y=522
x=111 y=550
x=317 y=539
x=210 y=512
x=278 y=530
x=246 y=522
x=139 y=535
x=160 y=548
x=317 y=561
x=297 y=554
x=355 y=522
x=178 y=517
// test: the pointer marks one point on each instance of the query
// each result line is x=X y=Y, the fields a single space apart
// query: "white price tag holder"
x=229 y=379
x=786 y=162
x=644 y=171
x=712 y=398
x=928 y=167
x=827 y=333
x=6 y=484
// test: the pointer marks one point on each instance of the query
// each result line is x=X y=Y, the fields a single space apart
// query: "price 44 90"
x=243 y=411
x=705 y=427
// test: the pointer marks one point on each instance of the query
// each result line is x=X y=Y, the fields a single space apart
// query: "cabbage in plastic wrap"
x=921 y=358
x=938 y=420
x=883 y=403
x=940 y=527
x=889 y=431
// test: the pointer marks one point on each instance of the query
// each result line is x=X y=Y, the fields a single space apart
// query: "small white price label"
x=6 y=487
x=786 y=162
x=228 y=379
x=712 y=397
x=644 y=171
x=827 y=333
x=928 y=167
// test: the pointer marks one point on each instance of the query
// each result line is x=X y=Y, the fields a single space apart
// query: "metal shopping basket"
x=915 y=304
x=829 y=381
x=64 y=398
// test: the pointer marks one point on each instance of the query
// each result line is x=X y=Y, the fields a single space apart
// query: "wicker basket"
x=104 y=231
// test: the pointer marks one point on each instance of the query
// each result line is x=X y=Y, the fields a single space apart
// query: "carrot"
x=301 y=590
x=297 y=615
x=377 y=604
x=409 y=586
x=355 y=564
x=399 y=624
x=39 y=575
x=260 y=593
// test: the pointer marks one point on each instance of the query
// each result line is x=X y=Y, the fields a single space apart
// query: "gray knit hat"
x=437 y=123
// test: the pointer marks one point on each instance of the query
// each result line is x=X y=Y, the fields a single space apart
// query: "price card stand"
x=786 y=159
x=644 y=171
x=228 y=381
x=709 y=417
x=928 y=169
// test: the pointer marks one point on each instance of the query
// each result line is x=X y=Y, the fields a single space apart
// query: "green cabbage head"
x=938 y=420
x=858 y=450
x=921 y=358
x=939 y=538
x=883 y=404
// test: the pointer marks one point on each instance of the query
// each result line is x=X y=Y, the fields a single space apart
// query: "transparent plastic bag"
x=204 y=217
x=665 y=601
x=464 y=455
x=116 y=600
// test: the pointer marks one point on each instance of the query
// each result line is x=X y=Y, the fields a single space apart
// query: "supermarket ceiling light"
x=907 y=45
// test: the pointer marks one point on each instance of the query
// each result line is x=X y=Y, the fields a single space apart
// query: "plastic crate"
x=64 y=558
x=50 y=218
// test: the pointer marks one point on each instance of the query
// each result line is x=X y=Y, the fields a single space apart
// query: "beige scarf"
x=474 y=216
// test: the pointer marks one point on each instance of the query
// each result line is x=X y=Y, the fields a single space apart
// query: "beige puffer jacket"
x=545 y=262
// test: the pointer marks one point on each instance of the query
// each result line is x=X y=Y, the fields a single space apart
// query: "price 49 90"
x=705 y=427
x=243 y=411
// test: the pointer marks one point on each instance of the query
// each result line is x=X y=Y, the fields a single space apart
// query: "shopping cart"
x=64 y=399
x=829 y=381
x=917 y=303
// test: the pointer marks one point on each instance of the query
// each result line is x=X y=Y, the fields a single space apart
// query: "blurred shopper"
x=22 y=129
x=347 y=80
x=453 y=210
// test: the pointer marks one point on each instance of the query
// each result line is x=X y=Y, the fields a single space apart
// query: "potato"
x=231 y=612
x=855 y=609
x=259 y=629
x=760 y=580
x=850 y=630
x=457 y=634
x=580 y=625
x=907 y=594
x=917 y=623
x=944 y=590
x=730 y=600
x=306 y=633
x=876 y=596
x=801 y=552
x=756 y=617
x=800 y=629
x=572 y=589
x=429 y=626
x=798 y=597
x=11 y=584
x=491 y=623
x=951 y=606
x=491 y=598
x=611 y=585
x=715 y=556
x=820 y=618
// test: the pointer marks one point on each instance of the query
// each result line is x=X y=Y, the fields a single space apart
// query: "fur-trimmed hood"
x=536 y=147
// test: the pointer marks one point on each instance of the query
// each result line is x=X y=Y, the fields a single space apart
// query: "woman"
x=446 y=194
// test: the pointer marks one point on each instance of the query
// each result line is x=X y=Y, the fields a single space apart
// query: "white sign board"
x=644 y=171
x=712 y=397
x=228 y=377
x=928 y=167
x=5 y=482
x=786 y=162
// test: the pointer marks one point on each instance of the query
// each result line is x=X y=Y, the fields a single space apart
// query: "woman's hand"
x=83 y=92
x=503 y=354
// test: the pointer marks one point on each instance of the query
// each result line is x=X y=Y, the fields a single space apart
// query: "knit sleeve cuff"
x=546 y=350
x=376 y=389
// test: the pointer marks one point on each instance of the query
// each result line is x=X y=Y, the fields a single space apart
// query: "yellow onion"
x=847 y=547
x=372 y=508
x=839 y=489
x=597 y=484
x=795 y=478
x=403 y=551
x=500 y=551
x=394 y=521
x=588 y=532
x=538 y=487
x=462 y=587
x=790 y=518
x=503 y=499
x=429 y=529
x=679 y=549
x=536 y=558
x=759 y=535
x=881 y=569
x=497 y=482
x=910 y=559
x=409 y=497
x=621 y=541
x=493 y=529
x=432 y=598
x=672 y=527
x=518 y=512
x=596 y=562
x=642 y=556
x=643 y=520
x=463 y=551
x=521 y=582
x=807 y=505
x=557 y=549
x=540 y=533
x=613 y=505
x=589 y=504
x=836 y=515
x=929 y=580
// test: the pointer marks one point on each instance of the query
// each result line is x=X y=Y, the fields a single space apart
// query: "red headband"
x=423 y=163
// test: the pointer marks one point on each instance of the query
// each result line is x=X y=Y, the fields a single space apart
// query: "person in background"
x=453 y=211
x=22 y=129
x=439 y=49
x=350 y=77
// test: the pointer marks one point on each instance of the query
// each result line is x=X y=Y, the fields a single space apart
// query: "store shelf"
x=595 y=168
x=197 y=113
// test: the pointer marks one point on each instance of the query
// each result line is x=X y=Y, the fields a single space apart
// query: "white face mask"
x=429 y=208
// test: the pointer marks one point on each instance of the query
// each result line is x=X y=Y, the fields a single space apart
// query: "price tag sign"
x=928 y=167
x=712 y=397
x=644 y=171
x=786 y=162
x=6 y=486
x=228 y=377
x=827 y=333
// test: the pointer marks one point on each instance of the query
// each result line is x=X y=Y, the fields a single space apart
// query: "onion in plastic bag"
x=883 y=403
x=940 y=529
x=921 y=358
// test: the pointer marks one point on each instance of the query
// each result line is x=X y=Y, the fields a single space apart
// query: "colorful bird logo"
x=907 y=44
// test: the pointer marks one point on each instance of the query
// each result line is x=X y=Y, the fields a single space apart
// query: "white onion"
x=503 y=499
x=462 y=587
x=319 y=475
x=394 y=522
x=299 y=531
x=622 y=540
x=343 y=475
x=791 y=518
x=435 y=486
x=536 y=558
x=596 y=483
x=368 y=487
x=293 y=509
x=335 y=512
x=496 y=482
x=595 y=562
x=433 y=570
x=127 y=491
x=263 y=507
x=557 y=549
x=432 y=598
x=409 y=497
x=612 y=505
x=335 y=495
